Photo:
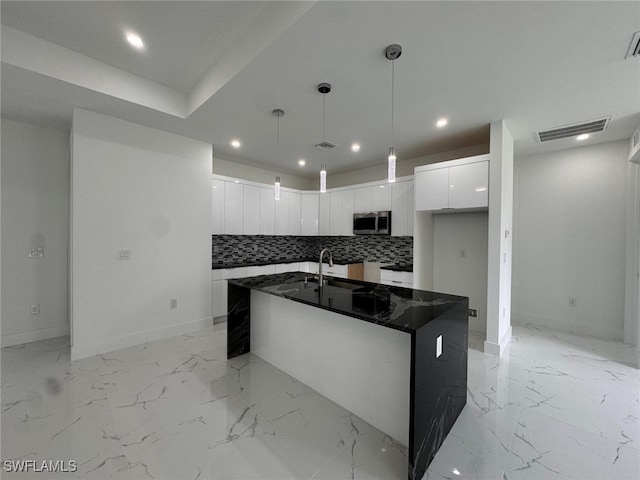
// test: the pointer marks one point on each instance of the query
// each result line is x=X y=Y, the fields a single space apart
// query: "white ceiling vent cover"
x=573 y=130
x=634 y=48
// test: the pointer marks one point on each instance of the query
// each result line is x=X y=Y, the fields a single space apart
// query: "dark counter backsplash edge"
x=230 y=251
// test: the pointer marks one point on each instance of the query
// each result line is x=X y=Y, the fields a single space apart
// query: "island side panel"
x=439 y=385
x=238 y=320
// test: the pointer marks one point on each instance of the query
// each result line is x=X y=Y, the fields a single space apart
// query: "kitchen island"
x=396 y=357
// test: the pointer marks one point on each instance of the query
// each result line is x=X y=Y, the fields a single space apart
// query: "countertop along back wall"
x=147 y=191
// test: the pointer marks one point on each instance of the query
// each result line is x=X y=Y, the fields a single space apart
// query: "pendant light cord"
x=393 y=64
x=324 y=98
x=278 y=133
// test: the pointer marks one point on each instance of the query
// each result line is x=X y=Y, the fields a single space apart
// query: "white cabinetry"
x=341 y=216
x=402 y=209
x=267 y=211
x=339 y=271
x=282 y=214
x=233 y=205
x=287 y=267
x=458 y=184
x=309 y=214
x=294 y=214
x=381 y=197
x=375 y=198
x=261 y=270
x=324 y=214
x=398 y=279
x=217 y=207
x=251 y=210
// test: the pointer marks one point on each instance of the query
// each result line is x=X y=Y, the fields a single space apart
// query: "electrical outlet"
x=174 y=303
x=36 y=253
x=573 y=301
x=34 y=309
x=473 y=312
x=463 y=253
x=124 y=255
x=215 y=249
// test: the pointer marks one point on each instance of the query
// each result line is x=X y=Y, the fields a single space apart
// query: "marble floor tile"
x=554 y=406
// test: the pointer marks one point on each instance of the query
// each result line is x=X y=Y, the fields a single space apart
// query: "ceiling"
x=214 y=71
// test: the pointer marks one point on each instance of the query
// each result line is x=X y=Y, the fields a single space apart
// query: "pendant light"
x=391 y=53
x=324 y=88
x=323 y=178
x=278 y=112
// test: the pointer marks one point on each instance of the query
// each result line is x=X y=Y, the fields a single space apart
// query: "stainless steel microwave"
x=372 y=223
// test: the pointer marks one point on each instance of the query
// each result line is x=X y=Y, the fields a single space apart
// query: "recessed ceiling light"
x=135 y=40
x=584 y=136
x=235 y=143
x=302 y=162
x=355 y=147
x=441 y=122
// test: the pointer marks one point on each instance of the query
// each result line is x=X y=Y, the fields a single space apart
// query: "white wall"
x=404 y=167
x=35 y=202
x=569 y=239
x=139 y=189
x=239 y=168
x=460 y=260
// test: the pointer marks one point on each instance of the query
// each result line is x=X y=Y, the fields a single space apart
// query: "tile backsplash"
x=230 y=250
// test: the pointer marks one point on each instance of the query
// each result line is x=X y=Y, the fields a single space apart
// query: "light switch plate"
x=438 y=346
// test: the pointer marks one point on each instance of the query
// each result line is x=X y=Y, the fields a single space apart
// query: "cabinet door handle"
x=396 y=281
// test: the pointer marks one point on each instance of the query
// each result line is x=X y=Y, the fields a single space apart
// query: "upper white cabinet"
x=324 y=214
x=458 y=184
x=294 y=213
x=375 y=198
x=267 y=211
x=381 y=197
x=251 y=210
x=233 y=204
x=217 y=207
x=240 y=208
x=282 y=214
x=341 y=216
x=469 y=185
x=309 y=214
x=287 y=214
x=402 y=209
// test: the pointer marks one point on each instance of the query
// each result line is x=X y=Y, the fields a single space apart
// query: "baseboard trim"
x=12 y=339
x=79 y=351
x=497 y=349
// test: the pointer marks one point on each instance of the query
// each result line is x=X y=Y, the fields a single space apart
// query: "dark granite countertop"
x=400 y=308
x=398 y=268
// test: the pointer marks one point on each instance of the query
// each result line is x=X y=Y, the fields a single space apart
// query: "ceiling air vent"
x=324 y=146
x=634 y=48
x=574 y=129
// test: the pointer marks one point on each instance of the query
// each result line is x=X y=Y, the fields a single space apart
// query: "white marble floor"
x=555 y=406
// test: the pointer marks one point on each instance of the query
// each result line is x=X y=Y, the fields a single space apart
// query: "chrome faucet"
x=320 y=264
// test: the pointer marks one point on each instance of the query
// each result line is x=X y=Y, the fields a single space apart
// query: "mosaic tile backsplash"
x=237 y=250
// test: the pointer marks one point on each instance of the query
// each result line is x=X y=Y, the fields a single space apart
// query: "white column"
x=500 y=244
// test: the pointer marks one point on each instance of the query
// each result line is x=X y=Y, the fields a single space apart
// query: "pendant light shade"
x=391 y=53
x=276 y=189
x=323 y=178
x=278 y=112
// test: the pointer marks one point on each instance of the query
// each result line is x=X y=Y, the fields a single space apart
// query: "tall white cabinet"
x=309 y=204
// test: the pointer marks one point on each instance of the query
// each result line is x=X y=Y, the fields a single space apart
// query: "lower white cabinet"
x=398 y=279
x=339 y=271
x=261 y=270
x=287 y=267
